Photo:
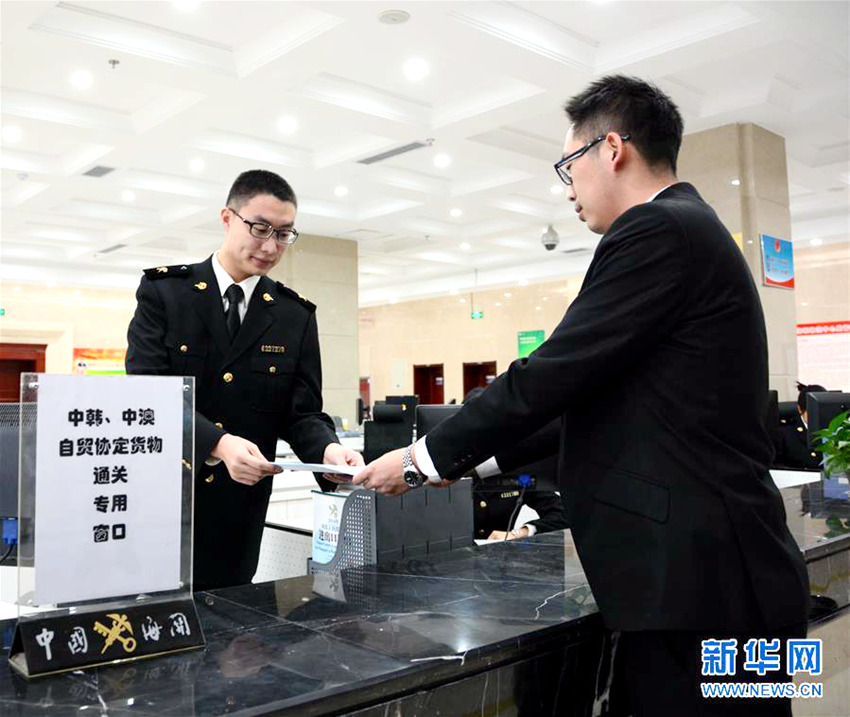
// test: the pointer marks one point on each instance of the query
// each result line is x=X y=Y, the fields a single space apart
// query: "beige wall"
x=323 y=270
x=822 y=283
x=394 y=338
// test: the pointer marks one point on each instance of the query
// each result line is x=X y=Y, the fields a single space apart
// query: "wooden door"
x=16 y=359
x=481 y=374
x=428 y=383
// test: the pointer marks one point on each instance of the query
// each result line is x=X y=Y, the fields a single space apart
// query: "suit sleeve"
x=536 y=447
x=634 y=293
x=305 y=426
x=147 y=354
x=550 y=508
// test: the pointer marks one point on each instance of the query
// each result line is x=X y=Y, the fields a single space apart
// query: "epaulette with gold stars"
x=286 y=291
x=161 y=272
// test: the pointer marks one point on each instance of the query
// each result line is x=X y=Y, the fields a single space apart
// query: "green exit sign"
x=2 y=312
x=477 y=314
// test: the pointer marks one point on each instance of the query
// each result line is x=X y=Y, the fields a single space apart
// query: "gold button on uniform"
x=218 y=425
x=814 y=455
x=228 y=377
x=272 y=369
x=483 y=504
x=209 y=479
x=799 y=429
x=183 y=348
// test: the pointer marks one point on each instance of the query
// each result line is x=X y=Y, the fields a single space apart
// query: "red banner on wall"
x=823 y=354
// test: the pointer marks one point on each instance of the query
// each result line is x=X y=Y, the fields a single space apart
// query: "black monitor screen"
x=428 y=416
x=823 y=407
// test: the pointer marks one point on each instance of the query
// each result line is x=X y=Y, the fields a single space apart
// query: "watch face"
x=413 y=479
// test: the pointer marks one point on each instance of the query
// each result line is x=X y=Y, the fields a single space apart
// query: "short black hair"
x=629 y=105
x=259 y=181
x=804 y=390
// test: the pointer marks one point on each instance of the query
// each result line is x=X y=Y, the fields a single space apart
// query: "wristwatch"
x=412 y=476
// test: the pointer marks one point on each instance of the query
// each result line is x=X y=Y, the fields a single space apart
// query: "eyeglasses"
x=261 y=230
x=562 y=166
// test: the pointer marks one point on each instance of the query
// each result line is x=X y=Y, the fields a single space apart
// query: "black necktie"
x=233 y=295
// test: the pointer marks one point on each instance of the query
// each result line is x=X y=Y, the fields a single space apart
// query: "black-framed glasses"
x=562 y=166
x=261 y=230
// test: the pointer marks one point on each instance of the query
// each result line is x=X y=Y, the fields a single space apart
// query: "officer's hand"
x=338 y=455
x=510 y=535
x=245 y=462
x=384 y=474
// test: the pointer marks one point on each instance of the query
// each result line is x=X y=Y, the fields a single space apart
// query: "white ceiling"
x=212 y=84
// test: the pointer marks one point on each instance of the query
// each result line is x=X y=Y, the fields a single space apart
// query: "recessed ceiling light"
x=394 y=17
x=815 y=242
x=186 y=5
x=466 y=246
x=456 y=212
x=416 y=69
x=805 y=303
x=498 y=303
x=507 y=294
x=341 y=191
x=197 y=165
x=393 y=300
x=17 y=288
x=462 y=301
x=81 y=79
x=128 y=196
x=538 y=308
x=545 y=298
x=556 y=188
x=736 y=182
x=12 y=133
x=287 y=124
x=442 y=161
x=453 y=292
x=77 y=292
x=523 y=282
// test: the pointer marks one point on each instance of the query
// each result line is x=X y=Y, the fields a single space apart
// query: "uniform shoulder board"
x=161 y=272
x=286 y=291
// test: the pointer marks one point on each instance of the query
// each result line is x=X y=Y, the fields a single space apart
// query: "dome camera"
x=549 y=238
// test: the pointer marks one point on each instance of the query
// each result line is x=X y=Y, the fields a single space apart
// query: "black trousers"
x=658 y=674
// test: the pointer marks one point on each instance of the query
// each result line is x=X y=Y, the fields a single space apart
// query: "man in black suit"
x=253 y=347
x=663 y=471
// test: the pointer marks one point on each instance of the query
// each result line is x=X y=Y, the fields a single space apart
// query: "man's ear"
x=225 y=217
x=615 y=145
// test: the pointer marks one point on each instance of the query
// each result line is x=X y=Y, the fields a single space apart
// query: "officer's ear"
x=226 y=216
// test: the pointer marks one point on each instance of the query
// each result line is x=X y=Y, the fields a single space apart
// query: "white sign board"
x=327 y=516
x=108 y=489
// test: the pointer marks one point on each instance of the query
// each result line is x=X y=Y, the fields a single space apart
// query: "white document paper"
x=319 y=467
x=108 y=494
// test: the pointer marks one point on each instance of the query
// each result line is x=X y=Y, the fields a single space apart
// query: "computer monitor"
x=429 y=416
x=822 y=407
x=10 y=432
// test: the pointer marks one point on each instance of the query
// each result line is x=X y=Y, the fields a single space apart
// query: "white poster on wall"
x=108 y=490
x=823 y=354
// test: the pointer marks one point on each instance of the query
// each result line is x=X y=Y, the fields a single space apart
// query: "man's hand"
x=338 y=455
x=384 y=475
x=521 y=532
x=245 y=462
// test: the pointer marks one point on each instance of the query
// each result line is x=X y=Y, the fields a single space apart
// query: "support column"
x=751 y=155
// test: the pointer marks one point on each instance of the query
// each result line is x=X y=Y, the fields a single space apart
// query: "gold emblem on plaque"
x=120 y=624
x=162 y=269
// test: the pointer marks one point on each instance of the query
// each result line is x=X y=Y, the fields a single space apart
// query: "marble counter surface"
x=335 y=643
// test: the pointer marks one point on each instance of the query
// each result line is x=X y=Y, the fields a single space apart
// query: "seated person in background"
x=494 y=507
x=794 y=450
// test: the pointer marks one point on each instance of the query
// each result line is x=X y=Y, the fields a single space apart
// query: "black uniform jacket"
x=658 y=372
x=794 y=450
x=265 y=385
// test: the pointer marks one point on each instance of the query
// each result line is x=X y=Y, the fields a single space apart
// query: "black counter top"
x=331 y=643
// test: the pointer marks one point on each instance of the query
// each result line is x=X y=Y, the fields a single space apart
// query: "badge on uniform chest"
x=269 y=349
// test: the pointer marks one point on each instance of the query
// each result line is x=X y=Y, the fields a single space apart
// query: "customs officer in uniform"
x=252 y=345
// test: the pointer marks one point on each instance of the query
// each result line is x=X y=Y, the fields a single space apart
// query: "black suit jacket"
x=658 y=372
x=794 y=450
x=266 y=385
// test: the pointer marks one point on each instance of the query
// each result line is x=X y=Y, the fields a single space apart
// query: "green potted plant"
x=835 y=445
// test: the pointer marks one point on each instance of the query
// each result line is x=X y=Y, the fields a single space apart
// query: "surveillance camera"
x=549 y=238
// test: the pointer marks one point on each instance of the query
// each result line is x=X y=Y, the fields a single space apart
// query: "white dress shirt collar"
x=658 y=192
x=225 y=280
